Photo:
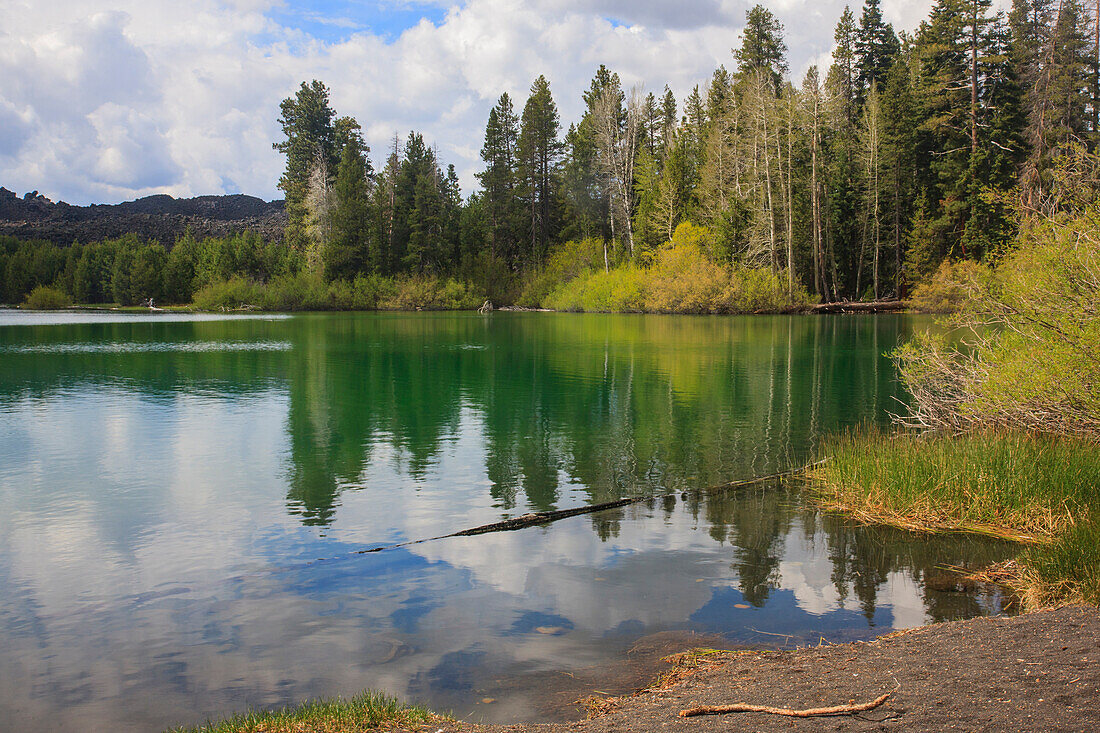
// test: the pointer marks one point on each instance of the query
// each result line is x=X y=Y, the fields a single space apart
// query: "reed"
x=1037 y=489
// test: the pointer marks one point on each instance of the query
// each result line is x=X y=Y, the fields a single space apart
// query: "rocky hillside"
x=160 y=217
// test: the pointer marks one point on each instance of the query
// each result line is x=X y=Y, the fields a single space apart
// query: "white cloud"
x=157 y=96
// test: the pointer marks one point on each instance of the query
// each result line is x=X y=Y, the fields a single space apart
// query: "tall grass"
x=368 y=711
x=1039 y=489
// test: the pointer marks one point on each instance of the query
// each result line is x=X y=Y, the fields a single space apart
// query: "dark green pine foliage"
x=669 y=122
x=581 y=198
x=347 y=253
x=762 y=47
x=1070 y=78
x=651 y=125
x=1002 y=148
x=499 y=181
x=843 y=78
x=876 y=46
x=540 y=153
x=899 y=114
x=307 y=122
x=420 y=239
x=842 y=185
x=943 y=145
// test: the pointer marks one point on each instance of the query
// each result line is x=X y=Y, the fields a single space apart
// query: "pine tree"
x=310 y=148
x=762 y=48
x=499 y=181
x=539 y=158
x=347 y=254
x=876 y=46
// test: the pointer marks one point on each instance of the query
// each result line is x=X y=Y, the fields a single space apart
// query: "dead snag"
x=808 y=713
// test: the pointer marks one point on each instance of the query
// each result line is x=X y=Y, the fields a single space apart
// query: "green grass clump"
x=367 y=711
x=1039 y=489
x=1065 y=570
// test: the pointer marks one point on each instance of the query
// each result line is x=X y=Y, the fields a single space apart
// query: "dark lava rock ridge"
x=160 y=217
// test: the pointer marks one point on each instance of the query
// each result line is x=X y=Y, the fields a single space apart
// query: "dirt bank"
x=1036 y=672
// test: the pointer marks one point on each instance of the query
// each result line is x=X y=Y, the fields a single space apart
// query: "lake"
x=186 y=499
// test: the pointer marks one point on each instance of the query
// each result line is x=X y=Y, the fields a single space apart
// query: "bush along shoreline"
x=1005 y=418
x=243 y=272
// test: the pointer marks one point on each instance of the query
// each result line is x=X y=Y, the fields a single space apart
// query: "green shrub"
x=952 y=287
x=682 y=278
x=431 y=293
x=1028 y=359
x=229 y=295
x=568 y=262
x=46 y=298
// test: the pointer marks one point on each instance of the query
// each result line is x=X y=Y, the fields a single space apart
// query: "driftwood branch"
x=808 y=713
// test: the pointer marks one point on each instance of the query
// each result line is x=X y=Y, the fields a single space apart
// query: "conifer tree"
x=310 y=148
x=875 y=47
x=499 y=180
x=347 y=253
x=539 y=157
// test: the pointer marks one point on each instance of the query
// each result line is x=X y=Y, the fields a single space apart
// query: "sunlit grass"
x=368 y=711
x=1037 y=489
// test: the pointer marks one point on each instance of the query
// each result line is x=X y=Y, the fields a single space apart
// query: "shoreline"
x=1038 y=671
x=838 y=308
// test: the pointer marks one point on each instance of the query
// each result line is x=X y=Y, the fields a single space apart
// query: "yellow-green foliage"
x=952 y=287
x=45 y=298
x=430 y=293
x=228 y=295
x=681 y=279
x=1038 y=367
x=568 y=261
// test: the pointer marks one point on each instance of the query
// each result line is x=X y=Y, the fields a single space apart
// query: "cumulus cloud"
x=156 y=96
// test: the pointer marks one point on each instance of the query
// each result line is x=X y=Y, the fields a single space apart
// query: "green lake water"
x=185 y=498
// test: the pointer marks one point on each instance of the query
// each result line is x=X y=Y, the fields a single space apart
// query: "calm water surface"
x=183 y=497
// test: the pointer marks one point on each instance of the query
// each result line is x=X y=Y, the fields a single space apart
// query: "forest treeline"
x=856 y=181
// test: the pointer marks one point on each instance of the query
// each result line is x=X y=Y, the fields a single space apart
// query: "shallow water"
x=185 y=497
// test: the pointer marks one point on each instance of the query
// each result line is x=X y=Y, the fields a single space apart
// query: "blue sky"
x=108 y=101
x=334 y=21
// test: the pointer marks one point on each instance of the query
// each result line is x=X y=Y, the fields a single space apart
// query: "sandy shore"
x=1036 y=672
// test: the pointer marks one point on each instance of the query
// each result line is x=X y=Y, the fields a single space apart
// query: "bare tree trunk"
x=768 y=185
x=815 y=199
x=790 y=195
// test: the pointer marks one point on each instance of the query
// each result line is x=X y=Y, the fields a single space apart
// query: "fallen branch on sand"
x=808 y=713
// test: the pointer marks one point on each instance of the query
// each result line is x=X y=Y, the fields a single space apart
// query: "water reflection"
x=167 y=503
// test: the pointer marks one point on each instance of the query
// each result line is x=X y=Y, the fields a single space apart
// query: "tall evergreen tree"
x=499 y=180
x=539 y=157
x=311 y=151
x=347 y=253
x=762 y=47
x=876 y=46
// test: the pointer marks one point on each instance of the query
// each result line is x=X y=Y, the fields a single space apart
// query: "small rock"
x=550 y=630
